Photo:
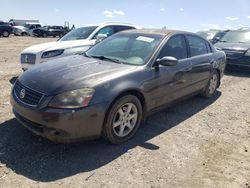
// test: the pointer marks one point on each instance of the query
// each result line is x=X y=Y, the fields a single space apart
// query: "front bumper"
x=243 y=62
x=61 y=125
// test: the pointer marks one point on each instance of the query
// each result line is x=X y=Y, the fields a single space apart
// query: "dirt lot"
x=196 y=143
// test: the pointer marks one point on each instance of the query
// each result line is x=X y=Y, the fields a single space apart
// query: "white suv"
x=76 y=41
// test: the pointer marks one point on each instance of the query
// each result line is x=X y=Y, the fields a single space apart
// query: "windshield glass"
x=236 y=37
x=79 y=33
x=128 y=48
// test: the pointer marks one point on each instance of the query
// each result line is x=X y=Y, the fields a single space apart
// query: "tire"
x=119 y=128
x=61 y=35
x=6 y=34
x=24 y=34
x=45 y=35
x=212 y=85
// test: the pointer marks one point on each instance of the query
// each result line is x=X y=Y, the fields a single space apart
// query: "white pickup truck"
x=76 y=41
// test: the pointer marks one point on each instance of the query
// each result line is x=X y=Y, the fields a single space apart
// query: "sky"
x=189 y=15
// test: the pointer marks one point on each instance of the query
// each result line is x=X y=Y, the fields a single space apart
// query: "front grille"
x=28 y=58
x=233 y=54
x=27 y=95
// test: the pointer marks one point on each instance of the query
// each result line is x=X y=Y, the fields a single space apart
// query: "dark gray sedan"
x=111 y=88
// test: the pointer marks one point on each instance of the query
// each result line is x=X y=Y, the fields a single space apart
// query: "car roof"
x=112 y=23
x=33 y=23
x=163 y=32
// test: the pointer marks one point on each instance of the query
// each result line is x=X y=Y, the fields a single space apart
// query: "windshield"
x=236 y=37
x=128 y=48
x=79 y=33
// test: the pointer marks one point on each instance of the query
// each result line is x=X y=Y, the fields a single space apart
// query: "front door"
x=172 y=82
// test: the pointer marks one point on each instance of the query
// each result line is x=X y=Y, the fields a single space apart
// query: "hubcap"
x=125 y=119
x=213 y=84
x=5 y=34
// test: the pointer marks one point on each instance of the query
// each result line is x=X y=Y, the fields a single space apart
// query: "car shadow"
x=41 y=160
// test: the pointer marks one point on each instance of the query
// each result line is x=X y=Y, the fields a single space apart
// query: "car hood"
x=233 y=46
x=57 y=45
x=71 y=73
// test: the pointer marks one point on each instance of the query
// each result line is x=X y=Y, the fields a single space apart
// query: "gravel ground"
x=196 y=143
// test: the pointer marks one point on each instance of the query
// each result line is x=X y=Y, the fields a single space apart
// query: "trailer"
x=22 y=22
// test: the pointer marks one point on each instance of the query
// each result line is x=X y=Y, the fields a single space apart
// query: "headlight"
x=52 y=53
x=247 y=53
x=72 y=99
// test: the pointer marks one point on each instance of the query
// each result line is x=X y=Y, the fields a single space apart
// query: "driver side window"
x=106 y=31
x=175 y=47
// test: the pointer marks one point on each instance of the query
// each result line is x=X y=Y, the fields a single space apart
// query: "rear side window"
x=175 y=47
x=197 y=46
x=122 y=28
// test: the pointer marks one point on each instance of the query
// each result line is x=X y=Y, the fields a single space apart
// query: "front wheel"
x=123 y=119
x=212 y=86
x=6 y=34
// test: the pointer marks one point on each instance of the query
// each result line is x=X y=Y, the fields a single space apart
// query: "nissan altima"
x=111 y=88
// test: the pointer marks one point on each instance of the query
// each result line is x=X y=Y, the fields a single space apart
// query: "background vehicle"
x=236 y=45
x=5 y=29
x=213 y=35
x=218 y=36
x=22 y=22
x=20 y=31
x=52 y=31
x=109 y=89
x=26 y=29
x=76 y=41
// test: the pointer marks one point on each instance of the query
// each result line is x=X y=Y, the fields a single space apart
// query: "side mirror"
x=167 y=61
x=100 y=37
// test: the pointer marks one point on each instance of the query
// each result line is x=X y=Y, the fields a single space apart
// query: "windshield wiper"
x=105 y=58
x=223 y=41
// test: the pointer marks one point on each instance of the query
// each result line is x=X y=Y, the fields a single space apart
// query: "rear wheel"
x=6 y=34
x=212 y=86
x=123 y=119
x=45 y=35
x=24 y=34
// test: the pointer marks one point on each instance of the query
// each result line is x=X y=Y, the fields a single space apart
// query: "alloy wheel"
x=125 y=119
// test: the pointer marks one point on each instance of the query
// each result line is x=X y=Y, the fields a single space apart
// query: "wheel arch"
x=132 y=91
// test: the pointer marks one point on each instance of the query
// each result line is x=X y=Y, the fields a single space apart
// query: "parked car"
x=76 y=41
x=218 y=36
x=213 y=35
x=26 y=29
x=236 y=45
x=5 y=29
x=20 y=31
x=49 y=31
x=110 y=88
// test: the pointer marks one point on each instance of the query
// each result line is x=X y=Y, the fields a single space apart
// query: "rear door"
x=202 y=58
